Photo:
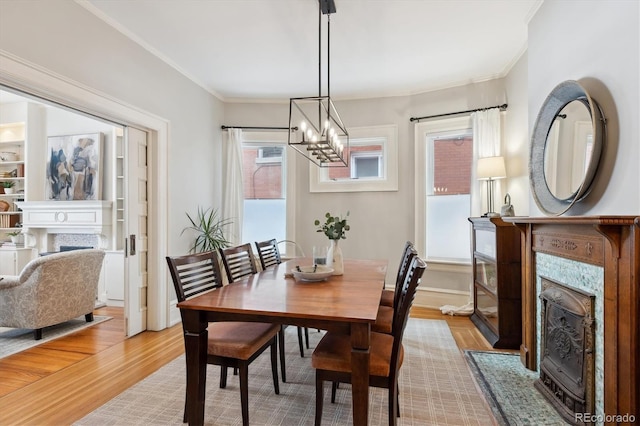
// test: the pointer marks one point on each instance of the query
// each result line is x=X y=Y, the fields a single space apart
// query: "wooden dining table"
x=347 y=302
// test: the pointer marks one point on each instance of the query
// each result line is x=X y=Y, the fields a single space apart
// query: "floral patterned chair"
x=50 y=290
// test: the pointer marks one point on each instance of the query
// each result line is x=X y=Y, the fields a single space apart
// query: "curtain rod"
x=502 y=108
x=223 y=127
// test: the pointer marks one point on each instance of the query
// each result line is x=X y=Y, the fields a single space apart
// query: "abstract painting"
x=74 y=167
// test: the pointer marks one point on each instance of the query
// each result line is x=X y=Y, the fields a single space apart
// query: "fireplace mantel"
x=612 y=242
x=73 y=217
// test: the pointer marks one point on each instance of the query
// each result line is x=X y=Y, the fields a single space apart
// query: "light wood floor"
x=61 y=381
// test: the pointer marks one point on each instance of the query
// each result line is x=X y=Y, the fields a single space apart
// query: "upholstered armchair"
x=50 y=290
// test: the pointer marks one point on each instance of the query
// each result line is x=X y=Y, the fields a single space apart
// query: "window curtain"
x=233 y=195
x=486 y=143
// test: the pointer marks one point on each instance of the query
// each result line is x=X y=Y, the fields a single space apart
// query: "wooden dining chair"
x=388 y=296
x=332 y=356
x=386 y=314
x=238 y=261
x=270 y=256
x=231 y=344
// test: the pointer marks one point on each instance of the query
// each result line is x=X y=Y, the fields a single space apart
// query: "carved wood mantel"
x=612 y=242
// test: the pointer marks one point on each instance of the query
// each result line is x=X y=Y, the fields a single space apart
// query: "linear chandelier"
x=321 y=136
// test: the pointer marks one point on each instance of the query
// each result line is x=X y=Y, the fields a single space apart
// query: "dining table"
x=347 y=303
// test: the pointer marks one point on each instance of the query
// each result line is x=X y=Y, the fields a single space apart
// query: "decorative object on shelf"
x=8 y=156
x=335 y=229
x=17 y=237
x=315 y=127
x=209 y=229
x=8 y=186
x=491 y=169
x=74 y=167
x=4 y=206
x=507 y=209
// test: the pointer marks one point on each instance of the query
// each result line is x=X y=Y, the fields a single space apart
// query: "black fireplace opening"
x=66 y=248
x=567 y=349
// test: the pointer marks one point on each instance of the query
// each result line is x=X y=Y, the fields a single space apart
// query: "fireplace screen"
x=567 y=375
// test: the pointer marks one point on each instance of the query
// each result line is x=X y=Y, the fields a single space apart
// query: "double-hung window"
x=444 y=161
x=265 y=169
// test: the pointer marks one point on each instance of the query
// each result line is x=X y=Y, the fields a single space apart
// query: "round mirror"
x=565 y=148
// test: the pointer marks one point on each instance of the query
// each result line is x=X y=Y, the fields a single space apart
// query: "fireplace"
x=599 y=255
x=567 y=346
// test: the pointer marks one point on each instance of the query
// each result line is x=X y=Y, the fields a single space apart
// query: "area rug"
x=436 y=388
x=13 y=340
x=508 y=387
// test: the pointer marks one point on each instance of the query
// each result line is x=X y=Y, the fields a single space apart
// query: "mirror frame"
x=563 y=94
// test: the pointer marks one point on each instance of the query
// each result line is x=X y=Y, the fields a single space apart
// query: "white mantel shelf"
x=66 y=214
x=41 y=218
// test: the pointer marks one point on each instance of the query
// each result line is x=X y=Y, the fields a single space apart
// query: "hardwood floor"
x=61 y=381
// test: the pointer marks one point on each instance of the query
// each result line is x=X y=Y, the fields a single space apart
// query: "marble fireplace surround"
x=611 y=244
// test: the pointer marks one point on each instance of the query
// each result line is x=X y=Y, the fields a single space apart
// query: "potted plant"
x=16 y=237
x=209 y=229
x=8 y=186
x=335 y=228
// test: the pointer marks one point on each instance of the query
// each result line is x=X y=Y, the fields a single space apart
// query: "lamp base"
x=491 y=214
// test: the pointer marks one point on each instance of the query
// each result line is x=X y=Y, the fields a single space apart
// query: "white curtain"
x=233 y=195
x=486 y=143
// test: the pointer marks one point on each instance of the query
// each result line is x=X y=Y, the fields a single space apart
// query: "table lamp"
x=491 y=169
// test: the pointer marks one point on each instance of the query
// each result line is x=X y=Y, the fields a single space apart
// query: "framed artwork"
x=74 y=167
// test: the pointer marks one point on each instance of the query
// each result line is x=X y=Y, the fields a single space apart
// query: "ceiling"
x=268 y=49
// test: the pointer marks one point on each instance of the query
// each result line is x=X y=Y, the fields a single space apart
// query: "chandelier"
x=316 y=130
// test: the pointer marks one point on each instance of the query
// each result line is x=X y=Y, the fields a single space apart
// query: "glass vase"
x=334 y=258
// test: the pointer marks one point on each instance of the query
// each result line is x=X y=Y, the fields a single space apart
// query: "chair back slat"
x=408 y=254
x=238 y=262
x=268 y=253
x=194 y=274
x=408 y=290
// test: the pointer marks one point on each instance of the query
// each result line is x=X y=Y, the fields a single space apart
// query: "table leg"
x=360 y=335
x=195 y=339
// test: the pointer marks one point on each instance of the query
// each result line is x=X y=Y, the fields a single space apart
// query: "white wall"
x=65 y=39
x=598 y=44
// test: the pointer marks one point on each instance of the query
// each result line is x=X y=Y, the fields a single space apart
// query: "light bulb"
x=309 y=133
x=326 y=124
x=303 y=126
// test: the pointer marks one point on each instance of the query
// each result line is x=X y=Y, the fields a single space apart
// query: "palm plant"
x=209 y=229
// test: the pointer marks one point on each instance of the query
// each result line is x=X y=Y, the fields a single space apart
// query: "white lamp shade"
x=491 y=168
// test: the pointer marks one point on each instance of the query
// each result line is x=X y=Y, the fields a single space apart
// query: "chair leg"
x=282 y=354
x=398 y=398
x=37 y=334
x=274 y=366
x=244 y=393
x=334 y=387
x=300 y=342
x=392 y=403
x=319 y=399
x=306 y=336
x=89 y=317
x=184 y=415
x=223 y=377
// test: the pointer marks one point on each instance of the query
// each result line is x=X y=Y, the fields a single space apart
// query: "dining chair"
x=238 y=261
x=231 y=344
x=269 y=256
x=386 y=314
x=332 y=356
x=388 y=296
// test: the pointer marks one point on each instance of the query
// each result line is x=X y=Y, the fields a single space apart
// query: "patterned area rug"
x=436 y=388
x=508 y=387
x=14 y=340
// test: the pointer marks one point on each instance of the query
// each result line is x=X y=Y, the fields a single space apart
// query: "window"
x=264 y=168
x=373 y=163
x=444 y=161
